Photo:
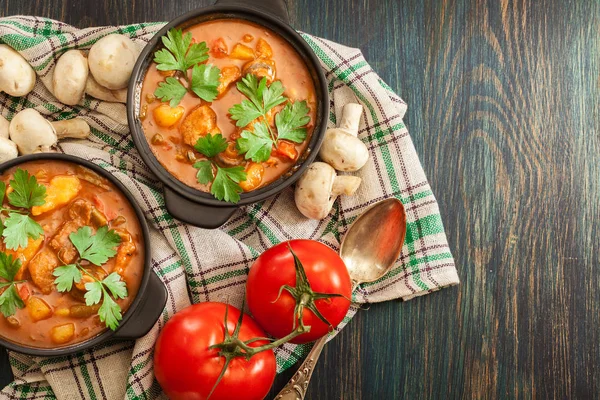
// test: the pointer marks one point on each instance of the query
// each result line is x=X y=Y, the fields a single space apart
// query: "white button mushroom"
x=4 y=127
x=17 y=78
x=99 y=92
x=69 y=77
x=341 y=147
x=8 y=150
x=32 y=133
x=318 y=188
x=111 y=60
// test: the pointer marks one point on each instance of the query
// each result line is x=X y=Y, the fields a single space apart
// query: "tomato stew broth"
x=291 y=70
x=103 y=196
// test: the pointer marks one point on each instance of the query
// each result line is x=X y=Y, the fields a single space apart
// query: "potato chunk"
x=25 y=254
x=254 y=176
x=263 y=49
x=38 y=309
x=61 y=190
x=242 y=52
x=201 y=121
x=167 y=116
x=62 y=334
x=228 y=76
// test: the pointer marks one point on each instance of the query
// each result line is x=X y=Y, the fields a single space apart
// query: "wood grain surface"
x=504 y=112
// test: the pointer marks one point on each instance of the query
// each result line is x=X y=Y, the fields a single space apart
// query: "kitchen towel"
x=200 y=265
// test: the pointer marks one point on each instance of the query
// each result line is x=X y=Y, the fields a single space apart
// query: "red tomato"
x=187 y=369
x=326 y=273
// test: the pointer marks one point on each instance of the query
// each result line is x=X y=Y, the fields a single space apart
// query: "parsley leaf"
x=2 y=191
x=205 y=80
x=18 y=227
x=116 y=286
x=244 y=113
x=110 y=312
x=256 y=145
x=211 y=145
x=253 y=89
x=290 y=120
x=262 y=99
x=93 y=293
x=66 y=276
x=172 y=90
x=272 y=96
x=10 y=300
x=97 y=248
x=9 y=266
x=226 y=184
x=205 y=172
x=180 y=53
x=27 y=192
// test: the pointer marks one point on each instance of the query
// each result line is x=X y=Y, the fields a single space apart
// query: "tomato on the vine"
x=187 y=368
x=274 y=295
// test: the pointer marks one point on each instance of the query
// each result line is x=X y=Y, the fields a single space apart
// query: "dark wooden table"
x=504 y=111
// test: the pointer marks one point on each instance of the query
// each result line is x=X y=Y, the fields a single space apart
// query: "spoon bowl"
x=374 y=241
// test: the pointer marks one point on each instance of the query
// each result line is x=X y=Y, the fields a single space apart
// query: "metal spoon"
x=369 y=249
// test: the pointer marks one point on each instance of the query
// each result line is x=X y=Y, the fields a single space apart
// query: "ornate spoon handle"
x=297 y=386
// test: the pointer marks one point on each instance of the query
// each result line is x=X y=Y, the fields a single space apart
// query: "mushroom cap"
x=111 y=60
x=8 y=150
x=313 y=191
x=343 y=151
x=31 y=132
x=17 y=78
x=70 y=76
x=4 y=127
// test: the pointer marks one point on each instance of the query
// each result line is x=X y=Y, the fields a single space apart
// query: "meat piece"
x=125 y=252
x=79 y=214
x=228 y=76
x=201 y=121
x=61 y=190
x=41 y=267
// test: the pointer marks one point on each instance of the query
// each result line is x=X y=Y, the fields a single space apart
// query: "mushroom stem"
x=345 y=184
x=350 y=118
x=94 y=89
x=75 y=128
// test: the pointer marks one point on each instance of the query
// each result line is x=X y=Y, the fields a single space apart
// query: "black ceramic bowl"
x=151 y=297
x=182 y=201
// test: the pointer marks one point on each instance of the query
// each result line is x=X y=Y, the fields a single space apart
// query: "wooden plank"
x=504 y=112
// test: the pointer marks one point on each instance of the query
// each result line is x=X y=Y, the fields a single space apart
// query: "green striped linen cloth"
x=200 y=265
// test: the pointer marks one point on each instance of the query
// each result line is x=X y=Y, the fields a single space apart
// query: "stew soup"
x=76 y=197
x=237 y=48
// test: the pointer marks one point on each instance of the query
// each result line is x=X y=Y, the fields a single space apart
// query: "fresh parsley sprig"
x=180 y=54
x=290 y=122
x=9 y=299
x=97 y=249
x=225 y=183
x=262 y=99
x=19 y=226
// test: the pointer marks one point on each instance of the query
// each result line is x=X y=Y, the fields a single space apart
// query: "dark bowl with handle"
x=192 y=205
x=151 y=298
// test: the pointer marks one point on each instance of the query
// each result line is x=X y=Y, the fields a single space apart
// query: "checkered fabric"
x=200 y=265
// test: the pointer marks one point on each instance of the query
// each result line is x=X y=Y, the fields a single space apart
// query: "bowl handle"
x=196 y=214
x=277 y=8
x=146 y=314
